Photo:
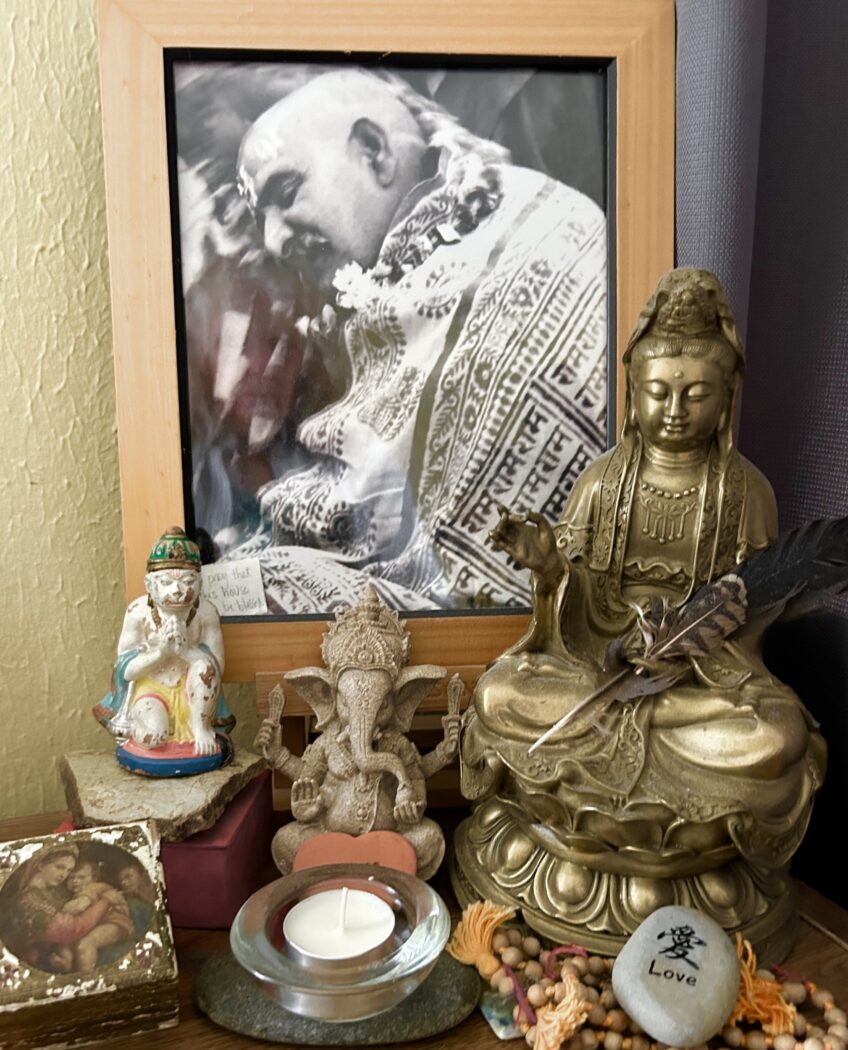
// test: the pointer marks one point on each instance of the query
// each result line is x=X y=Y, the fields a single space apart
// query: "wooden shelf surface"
x=820 y=954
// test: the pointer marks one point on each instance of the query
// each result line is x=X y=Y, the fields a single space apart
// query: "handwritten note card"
x=235 y=587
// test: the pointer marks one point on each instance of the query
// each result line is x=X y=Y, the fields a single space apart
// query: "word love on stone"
x=671 y=975
x=674 y=950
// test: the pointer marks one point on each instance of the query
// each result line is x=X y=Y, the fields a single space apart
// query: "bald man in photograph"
x=468 y=298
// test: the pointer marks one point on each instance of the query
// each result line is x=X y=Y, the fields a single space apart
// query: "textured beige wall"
x=61 y=585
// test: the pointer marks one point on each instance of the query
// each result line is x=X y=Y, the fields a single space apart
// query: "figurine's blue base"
x=173 y=760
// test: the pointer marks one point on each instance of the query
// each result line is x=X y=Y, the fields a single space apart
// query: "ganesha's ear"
x=315 y=685
x=413 y=685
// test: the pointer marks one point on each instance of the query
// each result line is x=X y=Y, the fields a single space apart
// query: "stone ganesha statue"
x=363 y=773
x=696 y=795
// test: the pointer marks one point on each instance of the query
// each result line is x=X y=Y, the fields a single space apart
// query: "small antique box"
x=86 y=950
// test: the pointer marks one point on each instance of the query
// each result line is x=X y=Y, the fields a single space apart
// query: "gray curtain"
x=762 y=168
x=762 y=199
x=721 y=47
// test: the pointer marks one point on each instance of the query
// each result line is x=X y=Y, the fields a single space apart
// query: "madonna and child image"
x=394 y=318
x=73 y=907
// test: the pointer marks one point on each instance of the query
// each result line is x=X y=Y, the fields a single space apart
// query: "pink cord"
x=563 y=949
x=523 y=1006
x=783 y=976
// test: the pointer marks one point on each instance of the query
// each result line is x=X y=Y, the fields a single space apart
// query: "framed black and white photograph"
x=372 y=272
x=393 y=316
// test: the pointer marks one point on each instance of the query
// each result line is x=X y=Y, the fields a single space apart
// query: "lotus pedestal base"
x=593 y=900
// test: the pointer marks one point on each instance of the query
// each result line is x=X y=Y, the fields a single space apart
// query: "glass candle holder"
x=327 y=985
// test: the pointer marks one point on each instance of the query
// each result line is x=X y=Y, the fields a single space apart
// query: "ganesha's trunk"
x=364 y=755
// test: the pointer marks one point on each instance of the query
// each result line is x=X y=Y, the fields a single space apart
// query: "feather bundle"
x=670 y=637
x=797 y=572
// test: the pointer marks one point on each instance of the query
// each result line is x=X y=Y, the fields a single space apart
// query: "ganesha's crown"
x=369 y=635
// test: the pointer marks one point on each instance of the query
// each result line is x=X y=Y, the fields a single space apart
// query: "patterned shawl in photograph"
x=478 y=375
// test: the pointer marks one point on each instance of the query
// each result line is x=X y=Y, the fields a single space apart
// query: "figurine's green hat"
x=174 y=550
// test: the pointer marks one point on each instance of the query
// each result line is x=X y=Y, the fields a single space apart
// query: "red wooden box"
x=211 y=874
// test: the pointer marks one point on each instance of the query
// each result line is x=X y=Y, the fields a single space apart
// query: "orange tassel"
x=556 y=1024
x=760 y=1000
x=473 y=935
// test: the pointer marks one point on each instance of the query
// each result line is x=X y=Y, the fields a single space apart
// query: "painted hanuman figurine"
x=165 y=704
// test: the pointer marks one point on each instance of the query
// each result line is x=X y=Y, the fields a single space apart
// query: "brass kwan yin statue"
x=700 y=793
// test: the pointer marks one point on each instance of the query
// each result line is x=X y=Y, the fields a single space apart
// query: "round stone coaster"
x=230 y=997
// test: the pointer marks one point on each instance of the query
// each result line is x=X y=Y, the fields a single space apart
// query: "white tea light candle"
x=338 y=924
x=346 y=988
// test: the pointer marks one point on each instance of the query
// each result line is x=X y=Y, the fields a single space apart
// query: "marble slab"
x=98 y=791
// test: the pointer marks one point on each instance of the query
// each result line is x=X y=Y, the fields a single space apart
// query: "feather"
x=695 y=629
x=702 y=624
x=628 y=684
x=799 y=571
x=569 y=716
x=652 y=626
x=635 y=685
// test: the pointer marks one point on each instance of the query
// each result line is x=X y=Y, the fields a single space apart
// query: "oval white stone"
x=678 y=976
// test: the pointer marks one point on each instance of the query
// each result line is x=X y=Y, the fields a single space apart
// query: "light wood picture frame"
x=635 y=36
